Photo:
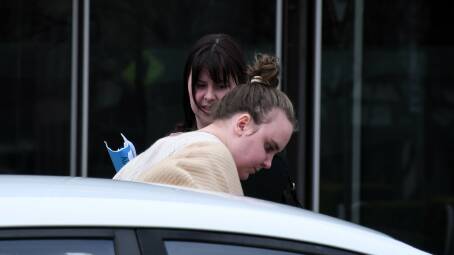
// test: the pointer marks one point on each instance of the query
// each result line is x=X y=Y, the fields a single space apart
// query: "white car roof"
x=39 y=201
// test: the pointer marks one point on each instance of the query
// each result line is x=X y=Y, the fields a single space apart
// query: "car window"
x=193 y=242
x=56 y=247
x=199 y=248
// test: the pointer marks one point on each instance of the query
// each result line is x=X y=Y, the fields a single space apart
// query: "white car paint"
x=38 y=201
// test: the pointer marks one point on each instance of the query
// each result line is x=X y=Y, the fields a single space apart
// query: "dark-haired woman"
x=213 y=67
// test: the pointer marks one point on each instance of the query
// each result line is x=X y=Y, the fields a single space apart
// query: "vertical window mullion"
x=278 y=34
x=74 y=83
x=85 y=89
x=356 y=111
x=316 y=108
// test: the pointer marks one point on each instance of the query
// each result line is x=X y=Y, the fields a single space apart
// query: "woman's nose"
x=267 y=163
x=210 y=95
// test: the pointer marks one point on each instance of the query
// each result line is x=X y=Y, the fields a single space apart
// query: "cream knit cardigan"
x=206 y=165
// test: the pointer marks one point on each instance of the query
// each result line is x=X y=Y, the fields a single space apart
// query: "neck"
x=198 y=124
x=218 y=129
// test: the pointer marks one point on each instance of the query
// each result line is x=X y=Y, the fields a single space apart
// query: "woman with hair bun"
x=251 y=123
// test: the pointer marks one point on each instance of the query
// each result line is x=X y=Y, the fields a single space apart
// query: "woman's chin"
x=244 y=176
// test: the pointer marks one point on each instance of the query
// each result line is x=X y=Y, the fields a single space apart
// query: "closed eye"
x=271 y=147
x=268 y=147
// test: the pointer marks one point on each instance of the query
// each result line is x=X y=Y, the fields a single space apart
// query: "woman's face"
x=206 y=93
x=255 y=149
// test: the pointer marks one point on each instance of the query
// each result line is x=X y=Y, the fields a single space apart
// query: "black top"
x=274 y=184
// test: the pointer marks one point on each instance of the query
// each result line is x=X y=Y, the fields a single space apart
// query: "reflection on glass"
x=198 y=248
x=35 y=46
x=60 y=247
x=406 y=120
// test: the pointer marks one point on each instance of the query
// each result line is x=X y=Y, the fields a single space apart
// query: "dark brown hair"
x=222 y=57
x=259 y=96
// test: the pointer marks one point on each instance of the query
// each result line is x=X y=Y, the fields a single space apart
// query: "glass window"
x=196 y=248
x=35 y=68
x=388 y=118
x=137 y=55
x=57 y=247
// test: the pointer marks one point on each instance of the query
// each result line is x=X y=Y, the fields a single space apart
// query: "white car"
x=81 y=216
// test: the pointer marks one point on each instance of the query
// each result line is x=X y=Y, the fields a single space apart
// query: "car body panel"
x=37 y=201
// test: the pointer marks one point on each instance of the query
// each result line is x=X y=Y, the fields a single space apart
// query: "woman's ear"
x=244 y=125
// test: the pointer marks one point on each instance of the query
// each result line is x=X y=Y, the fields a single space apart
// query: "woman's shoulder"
x=191 y=137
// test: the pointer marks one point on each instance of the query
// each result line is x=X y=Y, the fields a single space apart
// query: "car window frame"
x=124 y=239
x=152 y=240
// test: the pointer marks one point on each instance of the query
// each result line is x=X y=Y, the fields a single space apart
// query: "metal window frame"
x=279 y=32
x=316 y=107
x=85 y=88
x=74 y=84
x=79 y=88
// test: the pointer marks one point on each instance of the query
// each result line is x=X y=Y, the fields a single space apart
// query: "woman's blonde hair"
x=259 y=96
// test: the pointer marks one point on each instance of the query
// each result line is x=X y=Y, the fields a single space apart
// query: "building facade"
x=371 y=82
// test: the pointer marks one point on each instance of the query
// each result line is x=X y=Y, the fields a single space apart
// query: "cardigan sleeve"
x=202 y=165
